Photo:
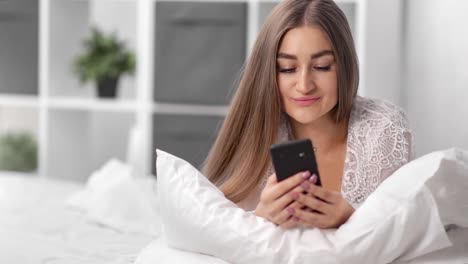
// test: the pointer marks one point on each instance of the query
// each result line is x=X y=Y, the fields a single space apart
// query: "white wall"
x=381 y=69
x=436 y=73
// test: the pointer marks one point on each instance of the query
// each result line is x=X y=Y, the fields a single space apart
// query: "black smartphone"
x=292 y=157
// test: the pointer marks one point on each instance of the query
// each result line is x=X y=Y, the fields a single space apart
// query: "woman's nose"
x=305 y=83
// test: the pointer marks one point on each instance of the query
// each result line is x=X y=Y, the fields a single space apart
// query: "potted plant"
x=18 y=152
x=105 y=59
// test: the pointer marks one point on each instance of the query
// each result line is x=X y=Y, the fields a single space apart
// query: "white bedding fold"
x=401 y=220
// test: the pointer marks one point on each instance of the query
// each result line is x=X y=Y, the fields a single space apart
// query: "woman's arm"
x=398 y=138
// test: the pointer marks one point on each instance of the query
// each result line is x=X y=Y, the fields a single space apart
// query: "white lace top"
x=379 y=142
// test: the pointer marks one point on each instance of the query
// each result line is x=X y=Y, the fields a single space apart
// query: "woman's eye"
x=286 y=70
x=324 y=68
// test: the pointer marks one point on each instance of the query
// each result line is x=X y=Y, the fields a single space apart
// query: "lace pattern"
x=379 y=142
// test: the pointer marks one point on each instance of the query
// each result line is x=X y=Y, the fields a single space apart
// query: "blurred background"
x=84 y=81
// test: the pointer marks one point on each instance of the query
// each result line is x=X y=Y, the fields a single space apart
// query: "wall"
x=381 y=69
x=435 y=90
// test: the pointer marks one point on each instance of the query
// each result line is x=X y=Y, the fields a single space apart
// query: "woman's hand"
x=277 y=199
x=320 y=207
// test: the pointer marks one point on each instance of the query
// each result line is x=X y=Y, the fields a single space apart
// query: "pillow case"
x=115 y=197
x=400 y=220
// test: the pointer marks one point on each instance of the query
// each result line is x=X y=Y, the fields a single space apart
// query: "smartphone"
x=292 y=157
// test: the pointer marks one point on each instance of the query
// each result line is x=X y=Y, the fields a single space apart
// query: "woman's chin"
x=304 y=119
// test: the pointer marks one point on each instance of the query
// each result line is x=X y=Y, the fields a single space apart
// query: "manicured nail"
x=295 y=195
x=306 y=174
x=313 y=178
x=305 y=186
x=290 y=210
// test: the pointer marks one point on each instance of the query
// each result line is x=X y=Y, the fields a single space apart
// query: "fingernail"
x=294 y=195
x=306 y=174
x=313 y=178
x=305 y=186
x=290 y=210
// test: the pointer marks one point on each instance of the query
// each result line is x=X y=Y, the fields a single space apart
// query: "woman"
x=301 y=81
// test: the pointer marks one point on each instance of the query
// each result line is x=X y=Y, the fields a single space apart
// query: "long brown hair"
x=239 y=159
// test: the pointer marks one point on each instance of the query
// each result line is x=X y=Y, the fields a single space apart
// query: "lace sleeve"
x=398 y=140
x=379 y=142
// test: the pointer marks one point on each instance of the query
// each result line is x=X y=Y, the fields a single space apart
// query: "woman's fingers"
x=311 y=219
x=328 y=196
x=282 y=202
x=286 y=213
x=315 y=212
x=313 y=203
x=271 y=180
x=278 y=189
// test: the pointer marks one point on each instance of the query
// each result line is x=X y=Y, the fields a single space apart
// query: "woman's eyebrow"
x=321 y=53
x=282 y=55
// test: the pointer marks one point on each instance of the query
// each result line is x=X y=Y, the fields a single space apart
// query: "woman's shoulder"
x=379 y=142
x=378 y=113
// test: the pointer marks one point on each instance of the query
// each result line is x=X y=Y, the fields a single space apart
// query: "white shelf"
x=80 y=142
x=92 y=104
x=185 y=109
x=29 y=101
x=78 y=132
x=204 y=1
x=278 y=1
x=18 y=174
x=243 y=1
x=67 y=24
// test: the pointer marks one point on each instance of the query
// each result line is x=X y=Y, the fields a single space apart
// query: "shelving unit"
x=19 y=101
x=189 y=54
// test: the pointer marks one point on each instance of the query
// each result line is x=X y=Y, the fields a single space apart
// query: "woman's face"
x=306 y=74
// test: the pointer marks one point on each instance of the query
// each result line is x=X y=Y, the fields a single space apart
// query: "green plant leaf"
x=105 y=56
x=18 y=152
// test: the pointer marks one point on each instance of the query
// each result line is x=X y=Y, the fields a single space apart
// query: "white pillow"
x=115 y=197
x=399 y=220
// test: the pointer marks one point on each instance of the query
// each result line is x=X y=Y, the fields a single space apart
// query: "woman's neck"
x=324 y=132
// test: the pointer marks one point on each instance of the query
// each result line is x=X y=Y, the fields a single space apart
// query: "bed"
x=113 y=218
x=158 y=252
x=36 y=226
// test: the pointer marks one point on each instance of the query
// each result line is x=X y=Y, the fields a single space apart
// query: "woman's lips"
x=305 y=101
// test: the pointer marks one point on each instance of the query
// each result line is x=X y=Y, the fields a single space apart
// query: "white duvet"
x=36 y=227
x=403 y=220
x=159 y=252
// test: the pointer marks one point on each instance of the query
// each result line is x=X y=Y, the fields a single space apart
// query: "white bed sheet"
x=37 y=227
x=158 y=252
x=456 y=254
